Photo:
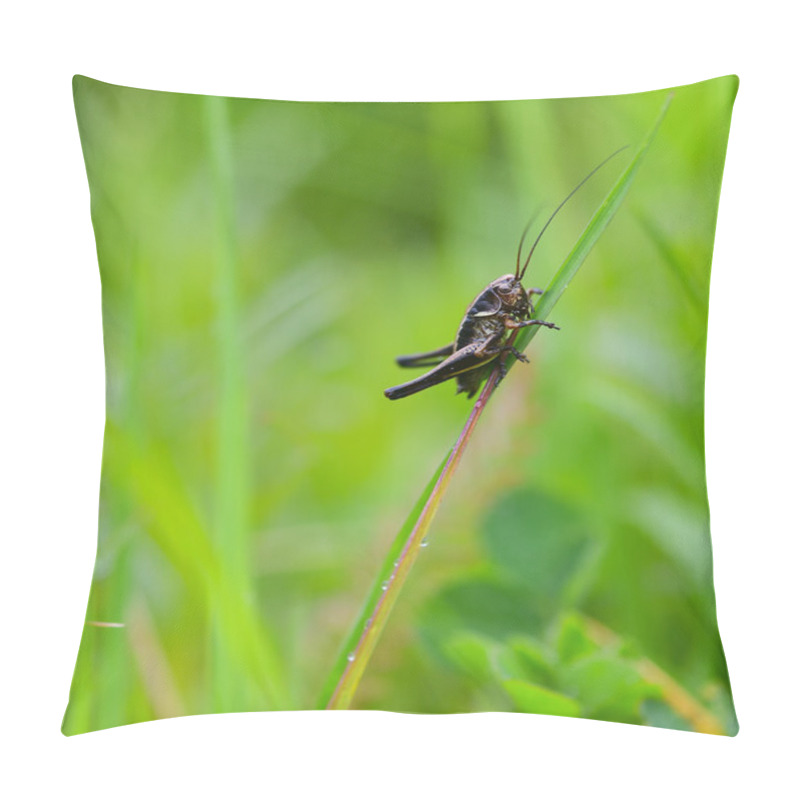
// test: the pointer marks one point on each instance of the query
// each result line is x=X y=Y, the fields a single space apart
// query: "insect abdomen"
x=481 y=320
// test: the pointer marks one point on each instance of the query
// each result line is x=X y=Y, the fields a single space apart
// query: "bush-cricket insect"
x=501 y=308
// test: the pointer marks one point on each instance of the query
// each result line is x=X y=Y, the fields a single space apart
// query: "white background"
x=52 y=397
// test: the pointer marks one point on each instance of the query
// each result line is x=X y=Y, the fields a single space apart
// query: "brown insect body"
x=481 y=338
x=503 y=306
x=485 y=321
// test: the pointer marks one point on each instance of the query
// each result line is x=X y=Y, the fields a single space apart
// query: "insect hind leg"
x=430 y=359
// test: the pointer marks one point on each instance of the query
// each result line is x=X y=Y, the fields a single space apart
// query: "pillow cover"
x=262 y=264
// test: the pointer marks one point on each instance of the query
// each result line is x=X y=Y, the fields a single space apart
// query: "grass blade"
x=365 y=632
x=353 y=660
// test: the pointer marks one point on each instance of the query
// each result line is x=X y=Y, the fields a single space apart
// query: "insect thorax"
x=485 y=317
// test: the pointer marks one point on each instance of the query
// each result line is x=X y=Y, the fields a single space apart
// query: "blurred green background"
x=262 y=263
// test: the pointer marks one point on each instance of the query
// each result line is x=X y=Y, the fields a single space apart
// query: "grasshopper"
x=502 y=308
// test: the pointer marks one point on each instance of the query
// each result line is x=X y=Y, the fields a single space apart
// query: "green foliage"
x=540 y=676
x=539 y=543
x=544 y=676
x=472 y=655
x=657 y=713
x=514 y=631
x=573 y=642
x=537 y=700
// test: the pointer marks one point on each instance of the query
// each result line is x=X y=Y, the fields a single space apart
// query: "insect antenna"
x=520 y=275
x=522 y=239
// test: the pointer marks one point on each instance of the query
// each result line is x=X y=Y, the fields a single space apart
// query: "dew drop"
x=424 y=543
x=351 y=657
x=385 y=585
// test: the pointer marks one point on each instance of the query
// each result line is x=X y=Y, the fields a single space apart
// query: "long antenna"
x=560 y=206
x=522 y=239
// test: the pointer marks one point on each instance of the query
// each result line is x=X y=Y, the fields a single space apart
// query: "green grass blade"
x=364 y=627
x=354 y=657
x=230 y=524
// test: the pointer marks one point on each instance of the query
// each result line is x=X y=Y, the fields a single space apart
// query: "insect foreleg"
x=510 y=323
x=516 y=353
x=502 y=363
